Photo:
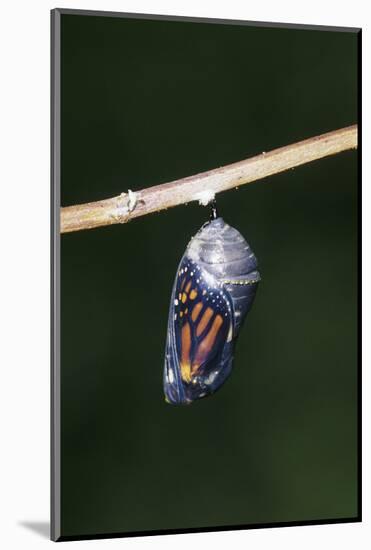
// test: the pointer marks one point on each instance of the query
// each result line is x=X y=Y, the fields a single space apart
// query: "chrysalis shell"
x=214 y=289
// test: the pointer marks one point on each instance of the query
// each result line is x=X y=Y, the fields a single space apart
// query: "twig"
x=131 y=205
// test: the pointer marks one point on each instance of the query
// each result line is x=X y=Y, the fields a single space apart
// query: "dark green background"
x=146 y=102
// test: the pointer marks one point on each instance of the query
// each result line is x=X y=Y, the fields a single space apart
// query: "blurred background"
x=147 y=102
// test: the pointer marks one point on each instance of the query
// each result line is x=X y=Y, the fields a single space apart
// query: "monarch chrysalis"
x=214 y=289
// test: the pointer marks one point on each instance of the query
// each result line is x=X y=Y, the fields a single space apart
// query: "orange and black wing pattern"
x=200 y=335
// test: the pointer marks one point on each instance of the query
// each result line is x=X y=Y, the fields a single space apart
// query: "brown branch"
x=126 y=207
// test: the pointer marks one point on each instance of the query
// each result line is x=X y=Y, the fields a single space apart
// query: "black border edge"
x=55 y=516
x=55 y=474
x=304 y=523
x=359 y=268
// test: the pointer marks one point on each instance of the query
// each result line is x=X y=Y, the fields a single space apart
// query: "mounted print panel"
x=205 y=233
